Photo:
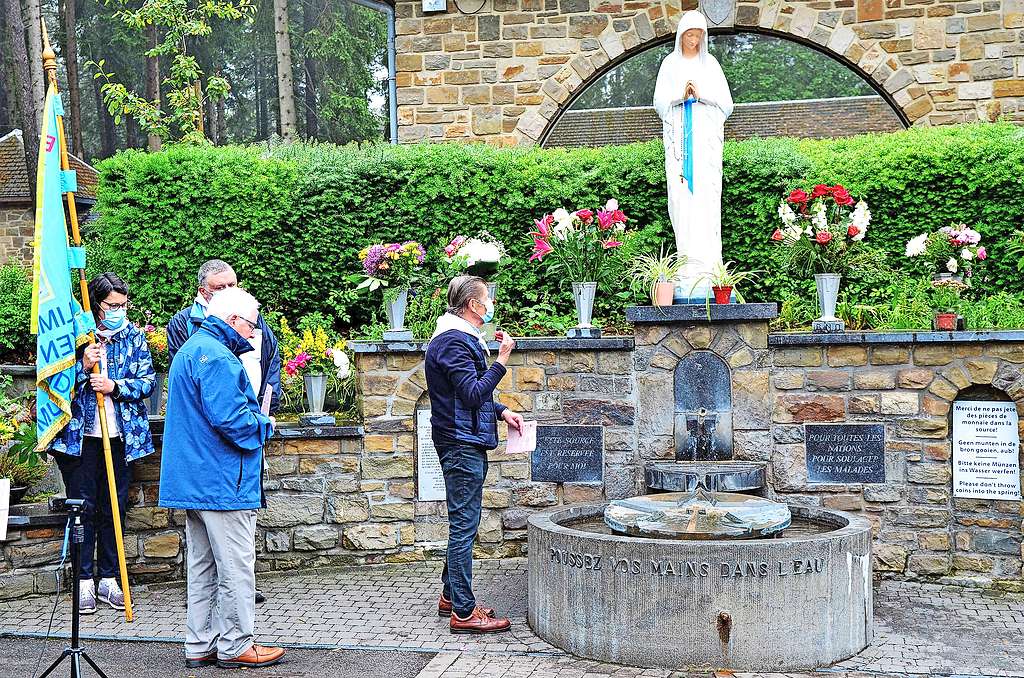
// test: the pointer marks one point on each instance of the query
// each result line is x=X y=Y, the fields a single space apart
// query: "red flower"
x=853 y=231
x=820 y=190
x=841 y=196
x=823 y=237
x=618 y=217
x=798 y=196
x=777 y=235
x=586 y=215
x=605 y=219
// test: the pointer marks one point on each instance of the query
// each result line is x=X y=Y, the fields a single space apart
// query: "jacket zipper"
x=241 y=460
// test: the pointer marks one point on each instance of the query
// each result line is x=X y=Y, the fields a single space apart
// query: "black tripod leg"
x=95 y=668
x=55 y=664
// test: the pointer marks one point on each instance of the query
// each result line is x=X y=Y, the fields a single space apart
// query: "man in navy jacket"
x=212 y=459
x=463 y=419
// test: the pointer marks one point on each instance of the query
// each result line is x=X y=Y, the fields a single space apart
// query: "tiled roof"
x=813 y=118
x=14 y=177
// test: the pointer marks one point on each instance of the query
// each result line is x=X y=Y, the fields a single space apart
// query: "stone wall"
x=503 y=75
x=921 y=530
x=17 y=229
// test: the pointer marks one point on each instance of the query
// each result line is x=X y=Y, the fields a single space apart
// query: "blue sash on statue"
x=687 y=143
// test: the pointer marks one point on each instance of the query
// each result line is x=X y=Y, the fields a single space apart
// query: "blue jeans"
x=464 y=468
x=85 y=477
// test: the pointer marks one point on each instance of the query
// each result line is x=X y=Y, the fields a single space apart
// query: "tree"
x=285 y=88
x=181 y=26
x=34 y=28
x=311 y=10
x=71 y=63
x=28 y=109
x=152 y=80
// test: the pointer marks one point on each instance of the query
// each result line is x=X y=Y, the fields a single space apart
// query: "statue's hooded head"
x=692 y=21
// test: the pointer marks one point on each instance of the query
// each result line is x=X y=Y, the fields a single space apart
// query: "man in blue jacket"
x=214 y=435
x=463 y=420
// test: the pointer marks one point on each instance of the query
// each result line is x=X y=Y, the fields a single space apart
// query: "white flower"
x=341 y=362
x=819 y=219
x=562 y=229
x=611 y=205
x=951 y=265
x=970 y=236
x=476 y=250
x=966 y=254
x=787 y=214
x=561 y=215
x=916 y=246
x=861 y=217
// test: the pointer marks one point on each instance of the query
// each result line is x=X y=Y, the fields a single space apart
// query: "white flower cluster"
x=476 y=250
x=565 y=223
x=860 y=219
x=790 y=220
x=917 y=246
x=819 y=218
x=341 y=361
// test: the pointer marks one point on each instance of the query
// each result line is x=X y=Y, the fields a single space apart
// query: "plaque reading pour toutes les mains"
x=568 y=454
x=845 y=453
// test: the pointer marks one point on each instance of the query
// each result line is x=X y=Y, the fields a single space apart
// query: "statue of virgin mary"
x=693 y=100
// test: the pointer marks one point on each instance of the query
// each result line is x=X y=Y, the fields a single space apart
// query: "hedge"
x=292 y=220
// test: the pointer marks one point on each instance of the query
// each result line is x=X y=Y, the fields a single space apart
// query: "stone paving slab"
x=920 y=629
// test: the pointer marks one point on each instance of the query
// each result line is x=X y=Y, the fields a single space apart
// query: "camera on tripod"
x=61 y=504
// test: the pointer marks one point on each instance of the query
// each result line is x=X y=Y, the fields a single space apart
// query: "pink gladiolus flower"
x=586 y=215
x=540 y=249
x=605 y=219
x=609 y=244
x=982 y=254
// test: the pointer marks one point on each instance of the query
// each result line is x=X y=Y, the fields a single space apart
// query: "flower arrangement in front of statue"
x=822 y=230
x=580 y=244
x=951 y=249
x=479 y=256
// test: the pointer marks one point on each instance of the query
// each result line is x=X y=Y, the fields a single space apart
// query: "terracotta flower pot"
x=722 y=294
x=945 y=321
x=663 y=293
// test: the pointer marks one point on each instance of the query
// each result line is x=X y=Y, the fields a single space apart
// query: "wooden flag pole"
x=50 y=66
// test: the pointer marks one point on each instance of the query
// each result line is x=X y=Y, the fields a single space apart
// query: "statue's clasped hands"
x=691 y=91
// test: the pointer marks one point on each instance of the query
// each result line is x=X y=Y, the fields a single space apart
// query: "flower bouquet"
x=392 y=265
x=580 y=246
x=313 y=357
x=953 y=252
x=822 y=232
x=476 y=256
x=156 y=339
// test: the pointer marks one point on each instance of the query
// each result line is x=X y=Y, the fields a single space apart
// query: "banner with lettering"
x=57 y=319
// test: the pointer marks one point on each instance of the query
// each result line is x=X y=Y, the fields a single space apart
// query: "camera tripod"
x=76 y=652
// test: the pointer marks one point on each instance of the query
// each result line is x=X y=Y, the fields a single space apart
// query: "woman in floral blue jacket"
x=125 y=379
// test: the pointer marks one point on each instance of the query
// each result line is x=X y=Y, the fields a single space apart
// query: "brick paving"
x=920 y=629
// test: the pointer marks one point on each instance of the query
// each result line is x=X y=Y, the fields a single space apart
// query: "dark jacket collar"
x=226 y=335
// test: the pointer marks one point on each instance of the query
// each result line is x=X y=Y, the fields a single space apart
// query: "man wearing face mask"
x=262 y=364
x=463 y=419
x=125 y=380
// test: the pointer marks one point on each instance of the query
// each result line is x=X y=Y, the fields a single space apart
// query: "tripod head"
x=72 y=506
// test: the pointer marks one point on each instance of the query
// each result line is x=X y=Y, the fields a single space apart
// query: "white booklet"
x=5 y=508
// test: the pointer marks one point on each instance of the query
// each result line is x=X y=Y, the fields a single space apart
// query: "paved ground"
x=382 y=621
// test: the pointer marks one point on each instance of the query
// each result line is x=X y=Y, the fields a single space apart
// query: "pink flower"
x=852 y=231
x=586 y=215
x=823 y=237
x=618 y=217
x=454 y=246
x=290 y=368
x=611 y=205
x=609 y=244
x=777 y=235
x=605 y=219
x=982 y=254
x=541 y=248
x=150 y=328
x=544 y=225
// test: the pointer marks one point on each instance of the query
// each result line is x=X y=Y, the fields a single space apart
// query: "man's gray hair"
x=233 y=301
x=462 y=290
x=212 y=267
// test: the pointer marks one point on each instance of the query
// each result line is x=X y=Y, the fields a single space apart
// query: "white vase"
x=316 y=391
x=583 y=294
x=396 y=311
x=828 y=289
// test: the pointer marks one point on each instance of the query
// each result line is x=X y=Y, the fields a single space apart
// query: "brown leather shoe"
x=254 y=657
x=478 y=622
x=444 y=608
x=199 y=662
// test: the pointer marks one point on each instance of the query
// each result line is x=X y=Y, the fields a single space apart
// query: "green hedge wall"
x=291 y=221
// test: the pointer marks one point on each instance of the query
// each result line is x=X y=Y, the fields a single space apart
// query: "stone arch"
x=863 y=47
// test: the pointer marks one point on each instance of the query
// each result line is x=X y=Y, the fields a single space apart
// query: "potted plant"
x=654 y=275
x=19 y=460
x=580 y=246
x=393 y=266
x=313 y=356
x=945 y=301
x=156 y=338
x=480 y=256
x=725 y=281
x=822 y=232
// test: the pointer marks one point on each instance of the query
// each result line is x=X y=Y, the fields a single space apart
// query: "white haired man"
x=214 y=435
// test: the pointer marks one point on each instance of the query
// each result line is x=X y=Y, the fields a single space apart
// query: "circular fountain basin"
x=697 y=515
x=802 y=600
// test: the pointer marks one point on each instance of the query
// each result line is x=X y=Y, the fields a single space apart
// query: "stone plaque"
x=986 y=450
x=703 y=408
x=429 y=479
x=568 y=454
x=718 y=12
x=845 y=453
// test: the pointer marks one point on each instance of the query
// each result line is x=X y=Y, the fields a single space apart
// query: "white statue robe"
x=696 y=214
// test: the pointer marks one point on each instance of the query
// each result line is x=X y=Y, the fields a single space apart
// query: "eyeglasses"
x=213 y=290
x=113 y=307
x=251 y=324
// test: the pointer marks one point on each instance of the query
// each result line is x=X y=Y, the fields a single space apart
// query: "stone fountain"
x=704 y=571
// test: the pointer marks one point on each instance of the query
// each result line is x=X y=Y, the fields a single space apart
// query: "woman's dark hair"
x=463 y=289
x=102 y=285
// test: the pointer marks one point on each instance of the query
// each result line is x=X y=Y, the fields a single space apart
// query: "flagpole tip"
x=49 y=56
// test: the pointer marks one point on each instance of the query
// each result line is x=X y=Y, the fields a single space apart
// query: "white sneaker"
x=111 y=594
x=87 y=596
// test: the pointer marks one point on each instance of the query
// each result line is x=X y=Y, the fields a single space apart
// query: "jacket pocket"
x=241 y=462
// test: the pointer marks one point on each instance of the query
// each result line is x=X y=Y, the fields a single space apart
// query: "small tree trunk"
x=106 y=123
x=309 y=20
x=222 y=132
x=211 y=121
x=285 y=87
x=74 y=91
x=152 y=83
x=132 y=134
x=28 y=109
x=262 y=125
x=33 y=27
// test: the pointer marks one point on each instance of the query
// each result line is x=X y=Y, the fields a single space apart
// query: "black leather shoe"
x=199 y=662
x=260 y=598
